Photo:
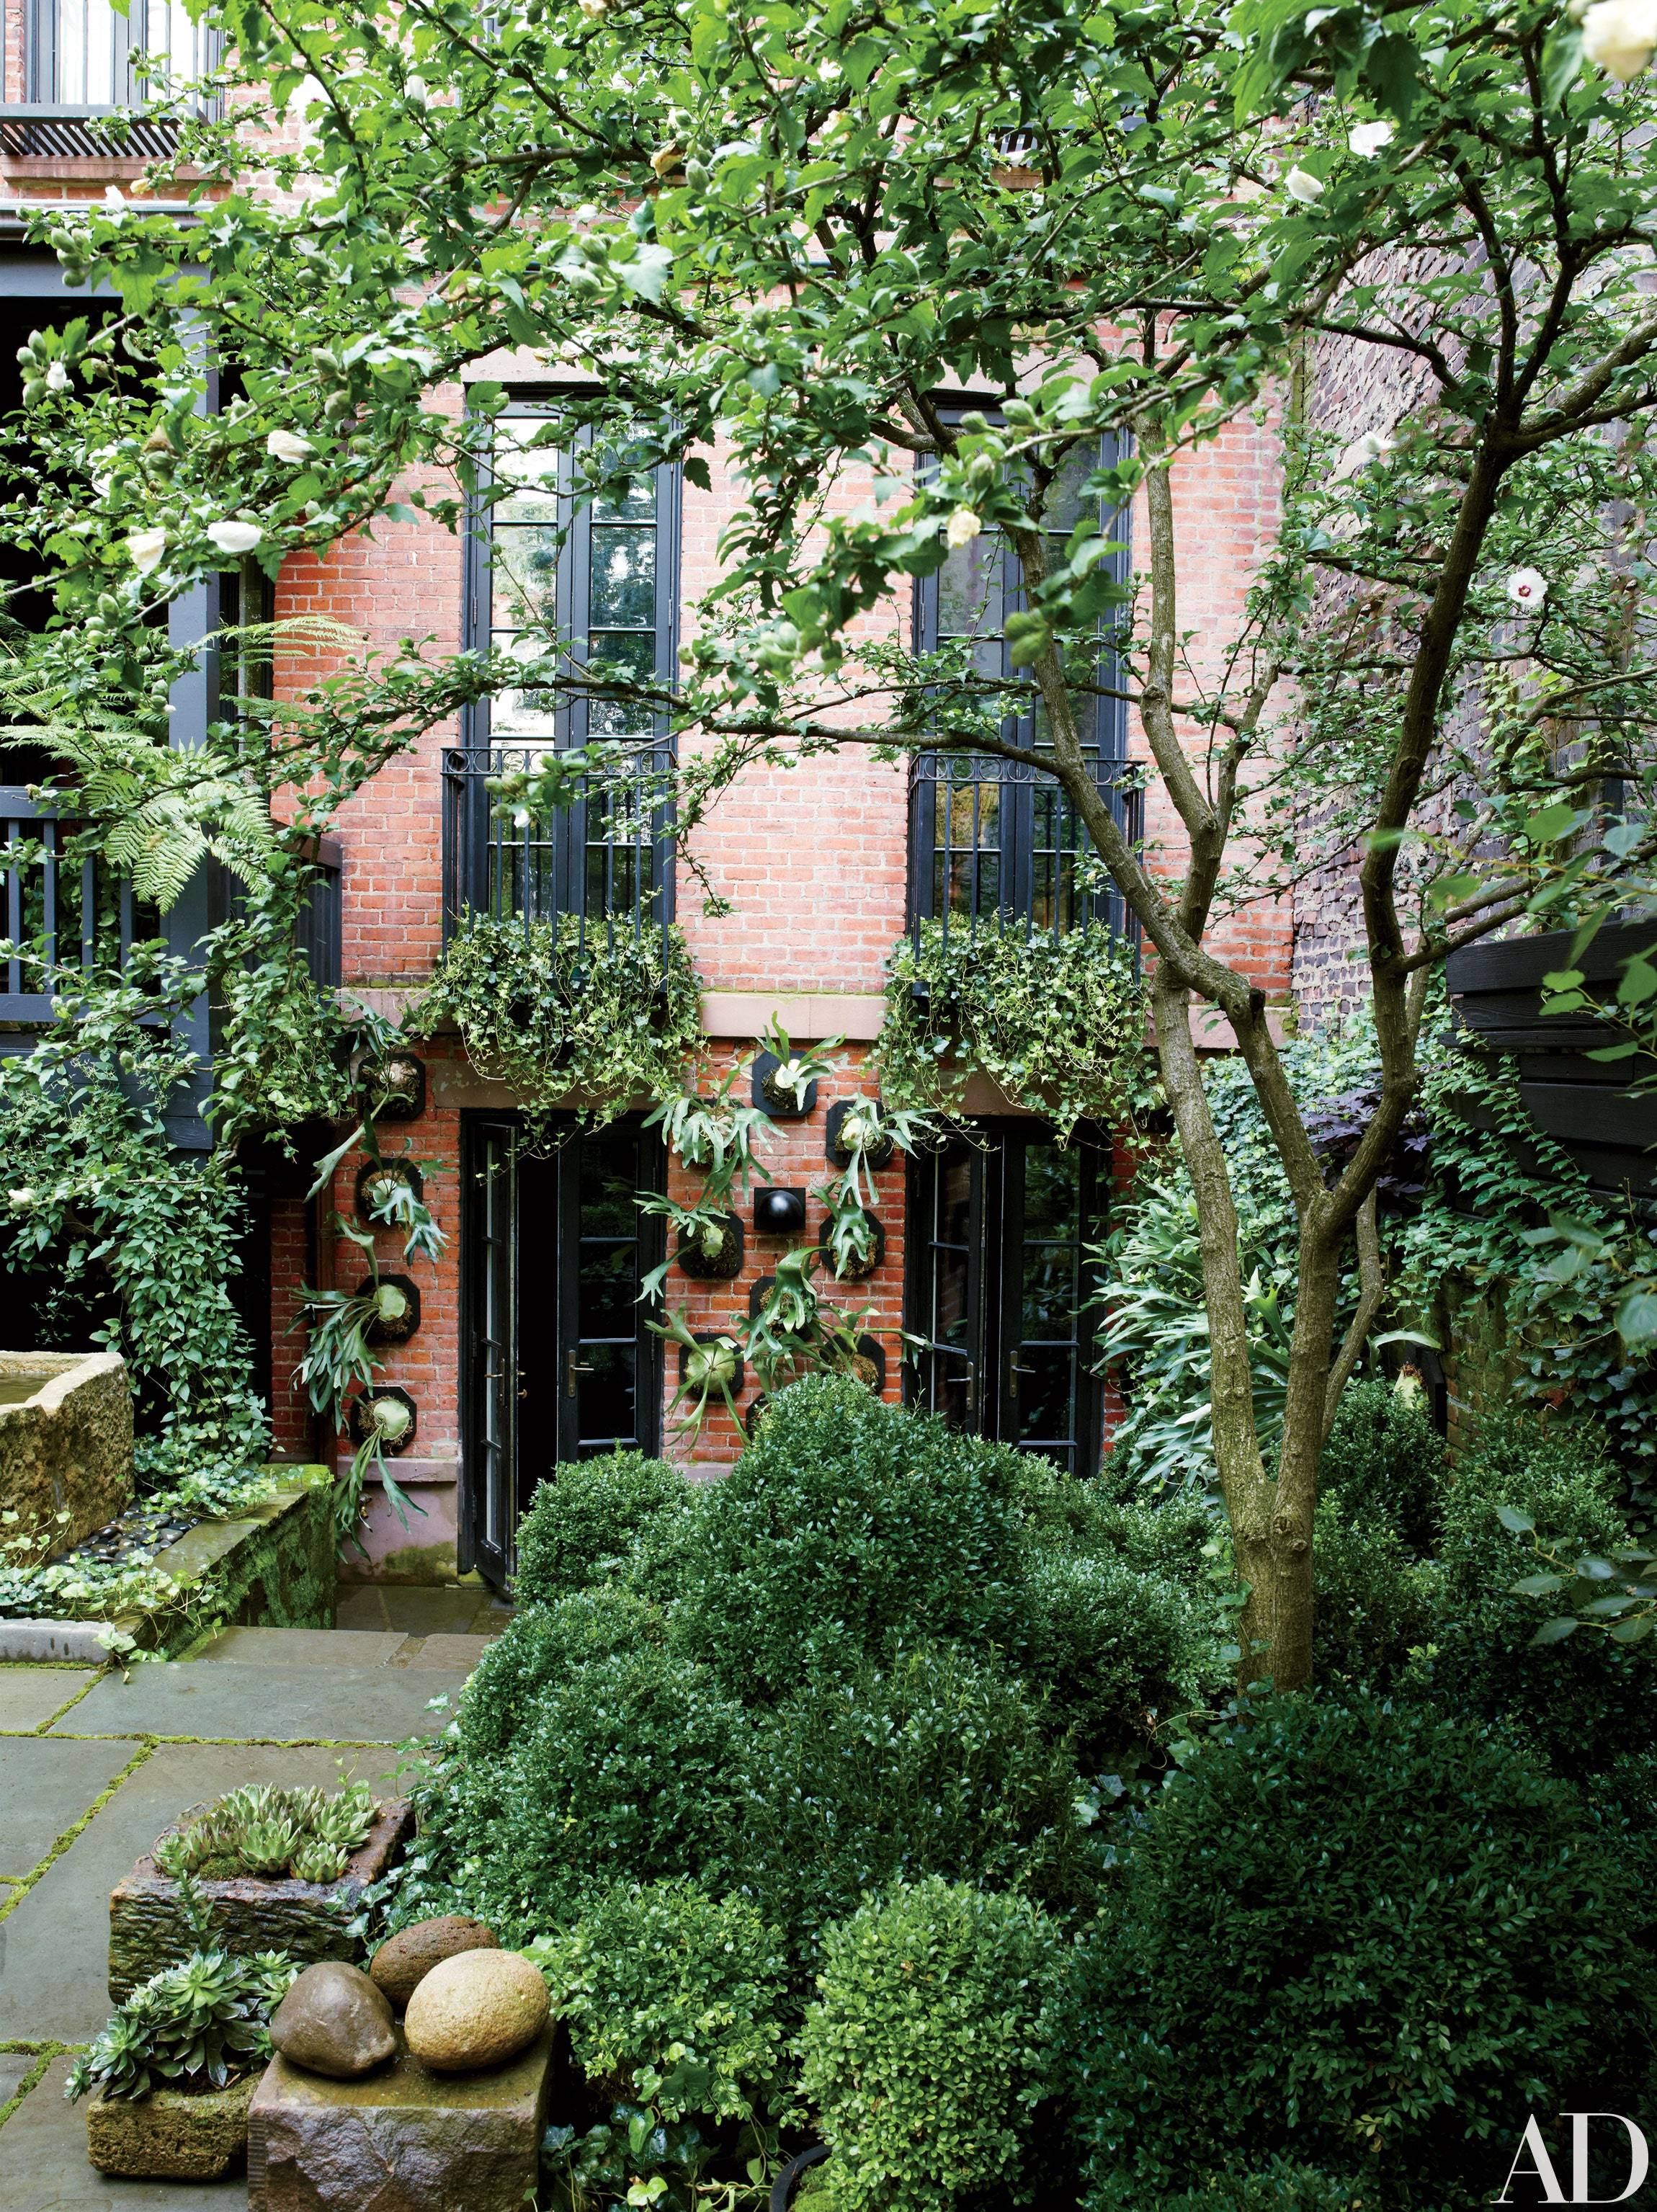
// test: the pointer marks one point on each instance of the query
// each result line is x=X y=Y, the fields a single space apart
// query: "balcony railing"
x=607 y=858
x=59 y=912
x=995 y=840
x=67 y=66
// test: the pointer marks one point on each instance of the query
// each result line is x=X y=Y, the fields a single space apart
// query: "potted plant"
x=172 y=2073
x=785 y=1081
x=262 y=1868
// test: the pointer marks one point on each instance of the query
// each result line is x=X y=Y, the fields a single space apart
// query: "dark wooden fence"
x=1593 y=1107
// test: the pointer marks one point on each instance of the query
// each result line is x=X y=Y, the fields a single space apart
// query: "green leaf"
x=1537 y=1586
x=1556 y=1632
x=1520 y=1523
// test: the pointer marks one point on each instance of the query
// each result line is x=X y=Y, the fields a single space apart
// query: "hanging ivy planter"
x=387 y=1416
x=1057 y=1022
x=713 y=1251
x=554 y=1008
x=396 y=1303
x=853 y=1131
x=377 y=1181
x=853 y=1243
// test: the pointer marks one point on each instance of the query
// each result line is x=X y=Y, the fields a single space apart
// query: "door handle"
x=572 y=1368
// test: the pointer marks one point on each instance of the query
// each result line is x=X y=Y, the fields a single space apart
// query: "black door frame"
x=996 y=1238
x=546 y=1198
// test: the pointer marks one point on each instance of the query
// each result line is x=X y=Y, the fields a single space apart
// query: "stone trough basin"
x=66 y=1444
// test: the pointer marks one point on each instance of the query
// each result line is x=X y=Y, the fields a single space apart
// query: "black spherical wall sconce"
x=779 y=1212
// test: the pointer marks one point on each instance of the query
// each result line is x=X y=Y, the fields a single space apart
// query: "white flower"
x=964 y=527
x=1527 y=589
x=1300 y=185
x=1372 y=446
x=1368 y=138
x=592 y=8
x=1620 y=36
x=114 y=196
x=288 y=446
x=21 y=1201
x=58 y=378
x=234 y=536
x=416 y=91
x=147 y=547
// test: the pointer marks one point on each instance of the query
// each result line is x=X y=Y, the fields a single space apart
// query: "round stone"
x=478 y=2008
x=402 y=1964
x=334 y=2022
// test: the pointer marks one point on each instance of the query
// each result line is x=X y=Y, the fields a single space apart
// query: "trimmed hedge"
x=845 y=1524
x=599 y=1519
x=935 y=2037
x=1360 y=1940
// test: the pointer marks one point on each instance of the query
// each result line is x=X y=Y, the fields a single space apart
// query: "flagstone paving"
x=93 y=1768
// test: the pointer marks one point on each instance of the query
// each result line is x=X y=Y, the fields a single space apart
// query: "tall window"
x=598 y=581
x=990 y=837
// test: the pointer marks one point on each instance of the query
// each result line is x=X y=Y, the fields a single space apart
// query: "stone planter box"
x=66 y=1442
x=306 y=1919
x=170 y=2135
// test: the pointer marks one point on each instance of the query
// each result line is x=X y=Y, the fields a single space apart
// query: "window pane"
x=1053 y=1194
x=969 y=600
x=526 y=578
x=622 y=591
x=1046 y=1405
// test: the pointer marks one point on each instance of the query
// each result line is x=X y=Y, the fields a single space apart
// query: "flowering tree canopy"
x=783 y=228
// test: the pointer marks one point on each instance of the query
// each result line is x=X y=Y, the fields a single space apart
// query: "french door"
x=557 y=1363
x=1000 y=1220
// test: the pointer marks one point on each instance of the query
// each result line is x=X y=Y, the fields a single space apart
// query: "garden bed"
x=272 y=1567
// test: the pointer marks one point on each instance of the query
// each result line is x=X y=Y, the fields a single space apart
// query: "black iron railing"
x=607 y=858
x=59 y=912
x=67 y=66
x=992 y=839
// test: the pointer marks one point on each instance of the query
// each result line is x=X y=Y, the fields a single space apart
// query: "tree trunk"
x=1271 y=1521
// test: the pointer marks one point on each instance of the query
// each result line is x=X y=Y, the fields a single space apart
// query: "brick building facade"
x=818 y=865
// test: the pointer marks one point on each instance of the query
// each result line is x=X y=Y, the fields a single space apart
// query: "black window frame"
x=570 y=865
x=1020 y=790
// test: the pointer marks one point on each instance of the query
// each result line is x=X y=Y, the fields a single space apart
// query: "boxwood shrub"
x=654 y=1969
x=1115 y=1653
x=845 y=1524
x=935 y=2038
x=1360 y=1940
x=1384 y=1456
x=599 y=1519
x=541 y=1642
x=935 y=1765
x=632 y=1766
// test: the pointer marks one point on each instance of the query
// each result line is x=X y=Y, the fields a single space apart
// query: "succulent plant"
x=197 y=2025
x=267 y=1846
x=317 y=1861
x=264 y=1829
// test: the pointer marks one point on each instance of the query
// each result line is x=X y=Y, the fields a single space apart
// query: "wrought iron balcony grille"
x=68 y=66
x=999 y=841
x=59 y=912
x=606 y=858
